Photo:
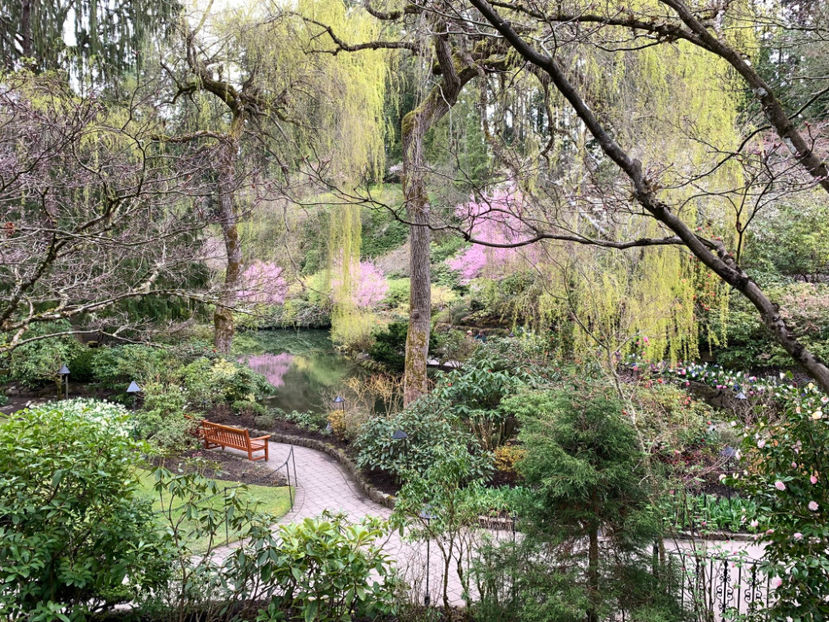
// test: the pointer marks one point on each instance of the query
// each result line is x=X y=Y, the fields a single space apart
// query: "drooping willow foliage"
x=673 y=107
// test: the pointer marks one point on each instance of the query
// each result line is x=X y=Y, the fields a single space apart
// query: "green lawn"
x=272 y=500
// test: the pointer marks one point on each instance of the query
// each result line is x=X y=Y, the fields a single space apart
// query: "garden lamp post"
x=64 y=377
x=135 y=390
x=339 y=400
x=399 y=435
x=427 y=516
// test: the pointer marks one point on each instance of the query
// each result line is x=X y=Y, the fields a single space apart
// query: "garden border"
x=381 y=498
x=386 y=500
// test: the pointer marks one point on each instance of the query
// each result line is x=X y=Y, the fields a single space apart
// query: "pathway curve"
x=322 y=484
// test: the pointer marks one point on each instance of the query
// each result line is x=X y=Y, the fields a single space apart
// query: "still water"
x=302 y=364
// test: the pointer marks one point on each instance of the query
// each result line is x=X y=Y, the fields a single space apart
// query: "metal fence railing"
x=718 y=587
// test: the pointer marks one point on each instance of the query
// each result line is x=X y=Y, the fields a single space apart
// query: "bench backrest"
x=225 y=433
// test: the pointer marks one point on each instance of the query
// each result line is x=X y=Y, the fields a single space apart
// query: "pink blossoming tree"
x=495 y=220
x=263 y=283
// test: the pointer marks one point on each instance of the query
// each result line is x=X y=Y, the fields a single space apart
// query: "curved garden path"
x=322 y=484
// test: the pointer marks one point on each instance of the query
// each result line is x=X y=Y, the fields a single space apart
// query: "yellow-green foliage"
x=328 y=107
x=351 y=326
x=667 y=105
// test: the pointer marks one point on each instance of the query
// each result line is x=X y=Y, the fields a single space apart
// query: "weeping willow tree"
x=673 y=20
x=676 y=107
x=260 y=90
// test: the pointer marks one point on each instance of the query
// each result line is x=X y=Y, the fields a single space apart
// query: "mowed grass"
x=268 y=499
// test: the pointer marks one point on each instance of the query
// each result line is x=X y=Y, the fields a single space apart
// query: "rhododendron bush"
x=494 y=220
x=263 y=283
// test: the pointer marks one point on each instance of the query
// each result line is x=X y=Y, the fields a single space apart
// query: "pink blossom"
x=779 y=485
x=263 y=283
x=754 y=523
x=813 y=506
x=761 y=443
x=776 y=582
x=813 y=479
x=798 y=536
x=497 y=220
x=368 y=285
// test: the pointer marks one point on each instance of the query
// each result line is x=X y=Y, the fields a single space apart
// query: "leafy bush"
x=162 y=418
x=316 y=422
x=36 y=363
x=245 y=407
x=115 y=367
x=265 y=421
x=331 y=570
x=507 y=457
x=389 y=345
x=429 y=430
x=474 y=395
x=210 y=382
x=784 y=473
x=73 y=533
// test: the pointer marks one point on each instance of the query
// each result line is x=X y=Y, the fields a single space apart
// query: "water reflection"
x=303 y=365
x=272 y=366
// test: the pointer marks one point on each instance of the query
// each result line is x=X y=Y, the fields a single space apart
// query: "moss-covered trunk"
x=223 y=328
x=413 y=131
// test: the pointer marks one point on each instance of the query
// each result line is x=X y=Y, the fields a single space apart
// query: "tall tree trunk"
x=26 y=46
x=593 y=575
x=420 y=294
x=228 y=220
x=413 y=131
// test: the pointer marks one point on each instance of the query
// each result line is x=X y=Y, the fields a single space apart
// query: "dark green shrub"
x=245 y=407
x=209 y=382
x=81 y=365
x=430 y=431
x=600 y=486
x=74 y=535
x=162 y=421
x=265 y=421
x=316 y=422
x=115 y=367
x=37 y=363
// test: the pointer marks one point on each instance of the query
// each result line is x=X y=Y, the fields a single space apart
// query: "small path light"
x=64 y=377
x=427 y=516
x=135 y=390
x=399 y=435
x=741 y=396
x=339 y=400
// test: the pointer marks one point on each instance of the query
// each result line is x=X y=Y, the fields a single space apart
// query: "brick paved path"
x=323 y=485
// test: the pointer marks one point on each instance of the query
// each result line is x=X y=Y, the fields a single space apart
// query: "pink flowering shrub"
x=368 y=283
x=495 y=220
x=263 y=283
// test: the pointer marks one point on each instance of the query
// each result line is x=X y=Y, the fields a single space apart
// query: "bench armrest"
x=261 y=438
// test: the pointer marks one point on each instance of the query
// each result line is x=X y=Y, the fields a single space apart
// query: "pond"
x=302 y=364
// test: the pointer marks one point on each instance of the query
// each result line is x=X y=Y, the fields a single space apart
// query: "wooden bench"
x=218 y=435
